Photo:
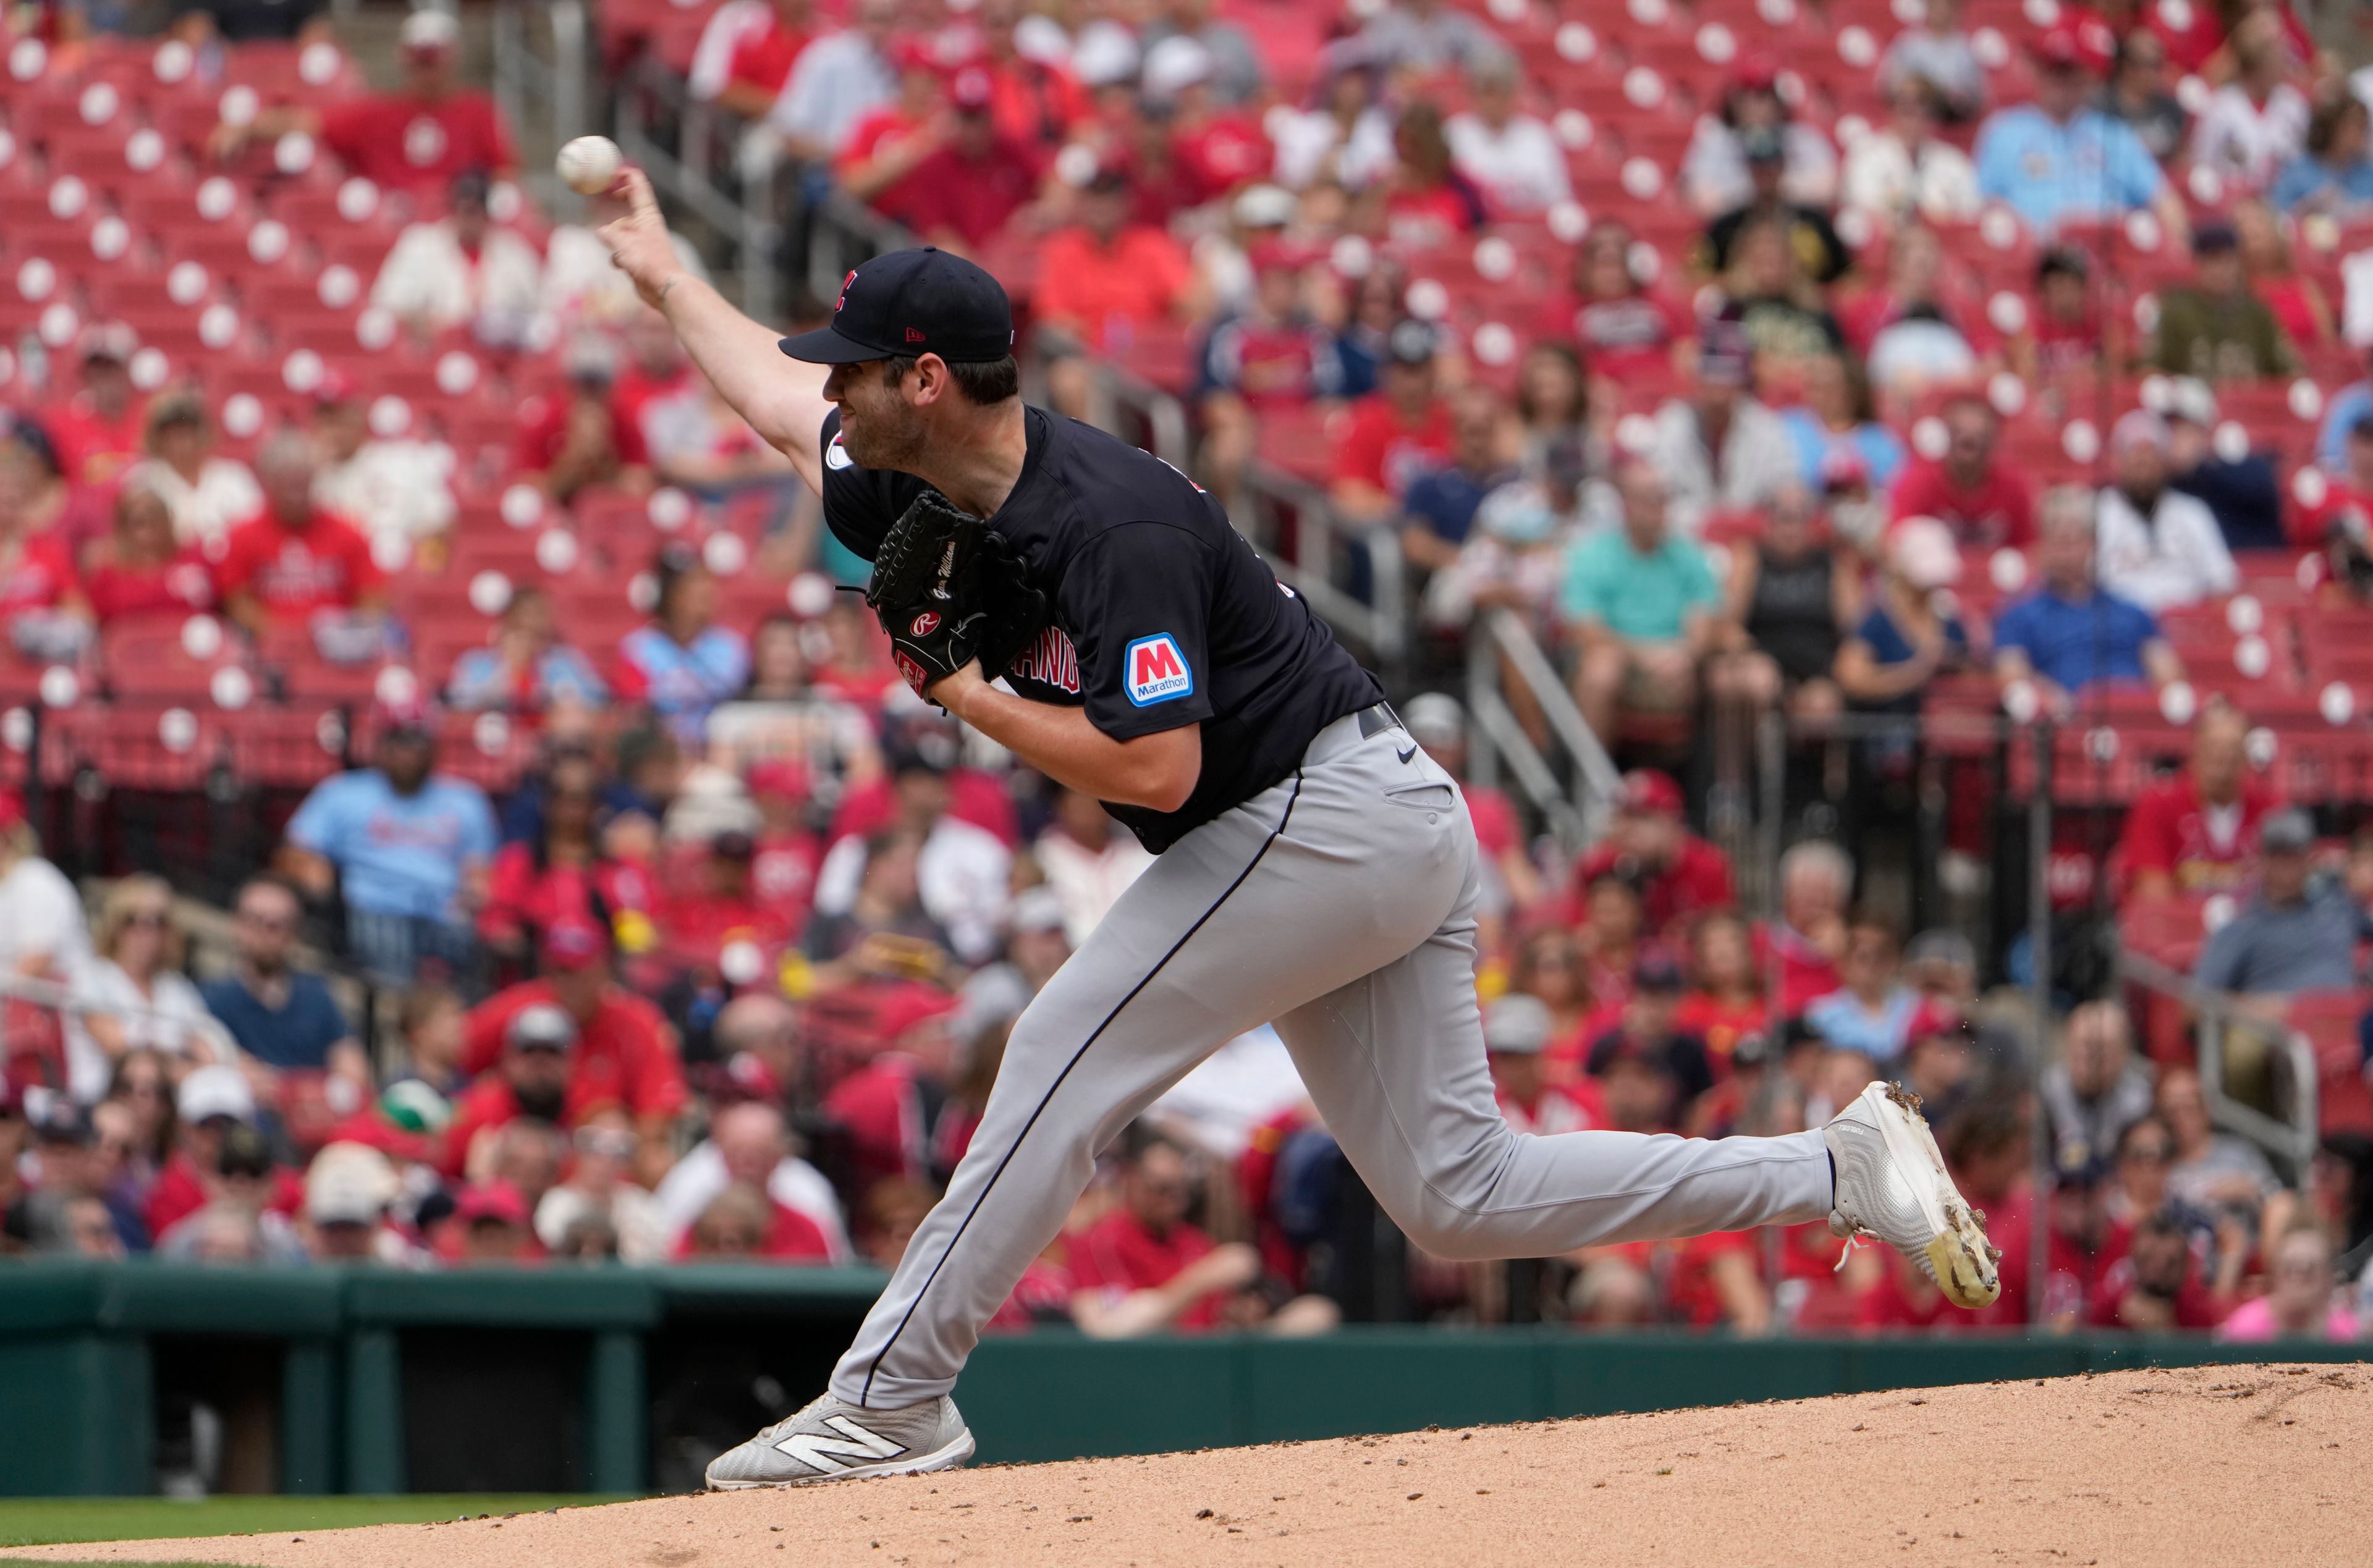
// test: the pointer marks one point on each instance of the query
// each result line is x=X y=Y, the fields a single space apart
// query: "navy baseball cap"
x=909 y=303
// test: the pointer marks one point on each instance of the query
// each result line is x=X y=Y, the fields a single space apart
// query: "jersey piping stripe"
x=1047 y=1098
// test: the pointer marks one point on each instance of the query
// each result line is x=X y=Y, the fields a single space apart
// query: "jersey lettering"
x=1050 y=660
x=1157 y=670
x=830 y=1455
x=835 y=456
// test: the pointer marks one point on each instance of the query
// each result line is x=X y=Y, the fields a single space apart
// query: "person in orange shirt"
x=1102 y=279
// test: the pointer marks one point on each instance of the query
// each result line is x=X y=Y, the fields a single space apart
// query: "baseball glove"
x=949 y=589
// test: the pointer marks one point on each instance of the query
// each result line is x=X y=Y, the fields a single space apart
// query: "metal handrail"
x=524 y=79
x=1496 y=641
x=2294 y=1141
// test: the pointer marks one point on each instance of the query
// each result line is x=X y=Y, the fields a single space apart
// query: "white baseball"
x=589 y=165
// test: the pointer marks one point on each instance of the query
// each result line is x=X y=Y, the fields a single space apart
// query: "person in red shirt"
x=1143 y=1268
x=2155 y=1287
x=963 y=194
x=1725 y=1005
x=2066 y=331
x=884 y=146
x=1394 y=435
x=293 y=559
x=746 y=52
x=742 y=1222
x=1516 y=1029
x=656 y=367
x=624 y=1054
x=2198 y=831
x=417 y=138
x=1428 y=202
x=560 y=875
x=1987 y=503
x=1678 y=874
x=101 y=428
x=576 y=437
x=1815 y=878
x=1103 y=276
x=1437 y=722
x=720 y=906
x=1628 y=329
x=1035 y=105
x=532 y=1078
x=1212 y=151
x=137 y=572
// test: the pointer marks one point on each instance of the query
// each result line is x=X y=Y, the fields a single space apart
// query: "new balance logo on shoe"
x=829 y=1456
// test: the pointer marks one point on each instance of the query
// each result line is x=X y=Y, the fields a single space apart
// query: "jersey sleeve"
x=1138 y=603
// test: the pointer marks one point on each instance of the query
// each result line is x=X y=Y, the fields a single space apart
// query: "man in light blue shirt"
x=408 y=849
x=838 y=79
x=2058 y=159
x=1644 y=605
x=2348 y=405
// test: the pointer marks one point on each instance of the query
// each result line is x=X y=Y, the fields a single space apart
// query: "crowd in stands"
x=721 y=966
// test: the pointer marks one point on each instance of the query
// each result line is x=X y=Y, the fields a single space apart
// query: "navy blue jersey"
x=1162 y=615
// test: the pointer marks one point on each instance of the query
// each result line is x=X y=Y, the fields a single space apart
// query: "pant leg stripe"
x=1047 y=1098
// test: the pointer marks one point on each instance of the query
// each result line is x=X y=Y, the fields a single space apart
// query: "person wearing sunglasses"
x=138 y=996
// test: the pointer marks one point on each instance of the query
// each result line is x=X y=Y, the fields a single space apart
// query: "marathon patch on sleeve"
x=1157 y=671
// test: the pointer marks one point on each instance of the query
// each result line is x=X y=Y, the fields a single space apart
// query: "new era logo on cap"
x=1157 y=671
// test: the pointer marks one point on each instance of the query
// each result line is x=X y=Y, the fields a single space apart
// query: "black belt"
x=1376 y=719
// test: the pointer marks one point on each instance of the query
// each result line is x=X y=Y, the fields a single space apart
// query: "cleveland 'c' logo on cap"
x=851 y=278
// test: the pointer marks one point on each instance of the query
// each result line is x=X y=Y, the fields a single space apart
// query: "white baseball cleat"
x=1891 y=1184
x=832 y=1440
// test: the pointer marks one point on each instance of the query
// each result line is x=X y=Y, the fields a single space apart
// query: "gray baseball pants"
x=1340 y=905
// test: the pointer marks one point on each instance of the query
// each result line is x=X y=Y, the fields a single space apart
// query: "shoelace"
x=1855 y=1238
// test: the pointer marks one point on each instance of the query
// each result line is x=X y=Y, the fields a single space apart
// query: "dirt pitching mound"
x=2223 y=1466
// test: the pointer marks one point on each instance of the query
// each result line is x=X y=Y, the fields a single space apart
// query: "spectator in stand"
x=574 y=439
x=2257 y=122
x=490 y=1225
x=200 y=22
x=137 y=572
x=886 y=144
x=99 y=431
x=527 y=668
x=2198 y=831
x=1714 y=175
x=1440 y=504
x=1809 y=242
x=1648 y=1029
x=1678 y=875
x=1792 y=595
x=561 y=876
x=292 y=558
x=1211 y=151
x=1642 y=603
x=1908 y=635
x=2302 y=1301
x=1237 y=71
x=1393 y=436
x=2137 y=95
x=2097 y=1089
x=1726 y=1005
x=1770 y=303
x=139 y=999
x=2217 y=329
x=624 y=1053
x=2333 y=172
x=417 y=138
x=1815 y=878
x=599 y=1208
x=2155 y=1286
x=1626 y=329
x=837 y=81
x=282 y=1016
x=1514 y=156
x=749 y=1145
x=696 y=441
x=964 y=193
x=1346 y=136
x=404 y=847
x=428 y=1021
x=1274 y=354
x=1102 y=282
x=1515 y=555
x=2158 y=547
x=43 y=935
x=2244 y=493
x=391 y=487
x=207 y=494
x=2298 y=932
x=682 y=664
x=1551 y=403
x=1516 y=1029
x=239 y=1223
x=963 y=870
x=1144 y=1268
x=1719 y=447
x=1088 y=860
x=1872 y=1012
x=2063 y=330
x=1428 y=201
x=2296 y=300
x=462 y=269
x=1984 y=500
x=2059 y=160
x=33 y=488
x=1907 y=172
x=1609 y=936
x=1428 y=37
x=1836 y=420
x=1935 y=48
x=2070 y=632
x=2220 y=1174
x=746 y=52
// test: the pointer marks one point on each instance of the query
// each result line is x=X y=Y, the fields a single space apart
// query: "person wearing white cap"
x=415 y=138
x=1516 y=1031
x=1236 y=72
x=348 y=1189
x=2158 y=547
